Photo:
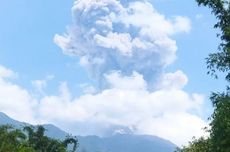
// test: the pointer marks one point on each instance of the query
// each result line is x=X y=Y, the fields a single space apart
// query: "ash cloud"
x=125 y=36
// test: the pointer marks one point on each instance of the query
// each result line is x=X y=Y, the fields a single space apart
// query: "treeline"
x=33 y=139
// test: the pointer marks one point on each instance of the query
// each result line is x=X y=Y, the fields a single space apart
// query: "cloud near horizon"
x=127 y=106
x=126 y=47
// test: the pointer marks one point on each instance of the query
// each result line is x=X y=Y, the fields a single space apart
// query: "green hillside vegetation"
x=32 y=139
x=219 y=128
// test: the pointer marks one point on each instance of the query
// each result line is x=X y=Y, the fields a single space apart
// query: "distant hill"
x=114 y=143
x=125 y=143
x=4 y=119
x=51 y=130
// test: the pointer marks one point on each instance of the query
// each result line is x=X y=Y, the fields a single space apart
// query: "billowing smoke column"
x=112 y=35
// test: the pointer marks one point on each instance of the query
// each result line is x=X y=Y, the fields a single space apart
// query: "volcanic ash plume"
x=111 y=35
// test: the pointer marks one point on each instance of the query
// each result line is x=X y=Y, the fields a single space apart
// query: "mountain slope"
x=125 y=143
x=115 y=143
x=4 y=119
x=51 y=130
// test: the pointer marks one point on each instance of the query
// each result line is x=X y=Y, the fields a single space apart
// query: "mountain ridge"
x=114 y=143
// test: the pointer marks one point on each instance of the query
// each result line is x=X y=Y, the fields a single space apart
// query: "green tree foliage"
x=219 y=140
x=220 y=61
x=197 y=145
x=33 y=139
x=220 y=125
x=10 y=139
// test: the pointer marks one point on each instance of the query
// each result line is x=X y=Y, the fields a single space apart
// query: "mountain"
x=114 y=143
x=4 y=119
x=51 y=130
x=125 y=143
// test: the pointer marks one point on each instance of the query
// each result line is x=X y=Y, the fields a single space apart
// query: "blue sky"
x=27 y=32
x=47 y=76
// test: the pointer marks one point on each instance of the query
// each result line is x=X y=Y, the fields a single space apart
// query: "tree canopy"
x=33 y=139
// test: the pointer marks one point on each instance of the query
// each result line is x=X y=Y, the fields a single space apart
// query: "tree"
x=197 y=145
x=219 y=140
x=220 y=61
x=220 y=125
x=42 y=143
x=71 y=140
x=13 y=140
x=33 y=139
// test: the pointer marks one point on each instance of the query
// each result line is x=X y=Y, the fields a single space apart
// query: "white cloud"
x=40 y=85
x=182 y=24
x=172 y=125
x=176 y=80
x=6 y=73
x=117 y=81
x=163 y=112
x=15 y=100
x=88 y=89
